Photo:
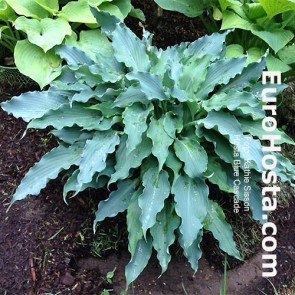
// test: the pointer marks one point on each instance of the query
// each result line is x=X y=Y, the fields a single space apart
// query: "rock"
x=67 y=279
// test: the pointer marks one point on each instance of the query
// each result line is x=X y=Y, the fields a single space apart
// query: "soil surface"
x=48 y=247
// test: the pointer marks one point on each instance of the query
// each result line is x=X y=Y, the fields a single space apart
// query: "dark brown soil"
x=46 y=246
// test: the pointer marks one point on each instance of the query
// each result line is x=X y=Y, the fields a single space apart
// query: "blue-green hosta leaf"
x=71 y=135
x=73 y=55
x=50 y=165
x=45 y=33
x=172 y=123
x=151 y=201
x=193 y=155
x=127 y=161
x=193 y=253
x=129 y=49
x=106 y=109
x=135 y=233
x=222 y=175
x=249 y=75
x=275 y=38
x=161 y=140
x=190 y=8
x=174 y=164
x=130 y=96
x=193 y=74
x=139 y=260
x=150 y=84
x=255 y=129
x=231 y=100
x=191 y=197
x=221 y=72
x=215 y=222
x=212 y=45
x=256 y=113
x=134 y=119
x=117 y=202
x=32 y=61
x=32 y=105
x=66 y=116
x=96 y=150
x=163 y=234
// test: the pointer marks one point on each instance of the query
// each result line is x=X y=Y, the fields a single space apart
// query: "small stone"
x=68 y=279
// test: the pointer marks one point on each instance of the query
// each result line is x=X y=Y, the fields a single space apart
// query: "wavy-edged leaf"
x=96 y=150
x=135 y=233
x=172 y=123
x=139 y=260
x=215 y=222
x=161 y=140
x=66 y=116
x=71 y=135
x=127 y=161
x=151 y=201
x=191 y=197
x=174 y=164
x=134 y=119
x=117 y=202
x=193 y=253
x=32 y=105
x=50 y=165
x=129 y=49
x=163 y=234
x=221 y=72
x=193 y=155
x=150 y=84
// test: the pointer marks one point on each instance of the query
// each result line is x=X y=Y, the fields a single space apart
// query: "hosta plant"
x=157 y=126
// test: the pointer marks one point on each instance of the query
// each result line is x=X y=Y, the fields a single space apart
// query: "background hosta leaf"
x=31 y=105
x=96 y=150
x=32 y=61
x=139 y=260
x=151 y=201
x=161 y=140
x=134 y=119
x=287 y=54
x=129 y=49
x=44 y=32
x=274 y=7
x=193 y=155
x=117 y=202
x=28 y=8
x=221 y=230
x=163 y=234
x=174 y=164
x=172 y=123
x=191 y=197
x=50 y=165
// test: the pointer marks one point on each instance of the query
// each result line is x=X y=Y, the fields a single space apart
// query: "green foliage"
x=141 y=120
x=258 y=24
x=46 y=24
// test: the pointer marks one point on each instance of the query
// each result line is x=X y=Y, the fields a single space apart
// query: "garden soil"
x=47 y=247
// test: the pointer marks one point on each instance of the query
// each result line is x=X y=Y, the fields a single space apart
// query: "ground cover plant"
x=138 y=121
x=258 y=24
x=32 y=29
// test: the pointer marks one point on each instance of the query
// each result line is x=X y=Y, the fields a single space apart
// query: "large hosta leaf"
x=117 y=202
x=163 y=234
x=139 y=260
x=32 y=61
x=129 y=49
x=50 y=165
x=151 y=201
x=221 y=230
x=45 y=33
x=28 y=8
x=274 y=7
x=191 y=198
x=96 y=150
x=193 y=155
x=31 y=105
x=161 y=140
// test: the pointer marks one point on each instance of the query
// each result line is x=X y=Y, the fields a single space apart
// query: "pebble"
x=68 y=279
